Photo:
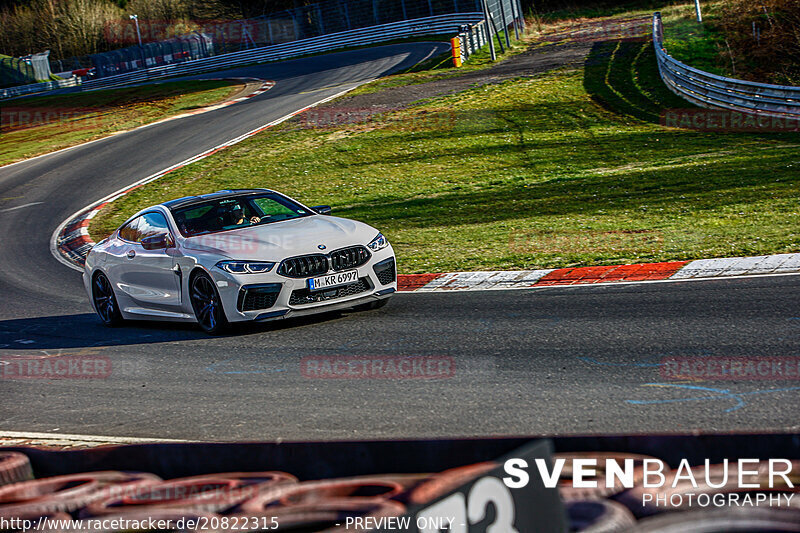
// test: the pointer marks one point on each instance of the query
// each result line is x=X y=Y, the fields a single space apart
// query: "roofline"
x=225 y=193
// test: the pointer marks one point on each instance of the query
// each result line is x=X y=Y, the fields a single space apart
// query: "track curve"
x=66 y=181
x=556 y=360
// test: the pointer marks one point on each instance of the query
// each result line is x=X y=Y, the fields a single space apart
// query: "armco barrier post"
x=455 y=45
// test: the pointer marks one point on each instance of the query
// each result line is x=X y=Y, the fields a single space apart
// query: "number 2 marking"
x=487 y=490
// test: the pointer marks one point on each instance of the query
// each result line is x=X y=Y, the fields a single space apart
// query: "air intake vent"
x=385 y=271
x=257 y=297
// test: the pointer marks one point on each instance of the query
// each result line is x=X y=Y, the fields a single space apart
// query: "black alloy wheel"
x=207 y=305
x=105 y=303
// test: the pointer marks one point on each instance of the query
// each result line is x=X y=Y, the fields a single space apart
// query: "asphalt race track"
x=560 y=360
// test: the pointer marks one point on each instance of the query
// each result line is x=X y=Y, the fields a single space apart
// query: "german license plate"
x=333 y=280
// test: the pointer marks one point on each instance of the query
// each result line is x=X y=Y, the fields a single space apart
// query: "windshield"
x=233 y=212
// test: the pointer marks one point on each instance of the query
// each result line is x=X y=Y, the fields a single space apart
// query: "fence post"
x=505 y=22
x=321 y=20
x=516 y=18
x=297 y=33
x=497 y=33
x=489 y=30
x=343 y=9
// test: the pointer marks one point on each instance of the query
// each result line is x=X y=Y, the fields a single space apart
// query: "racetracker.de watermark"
x=724 y=120
x=235 y=244
x=377 y=367
x=59 y=367
x=74 y=118
x=725 y=368
x=612 y=30
x=232 y=31
x=383 y=117
x=583 y=241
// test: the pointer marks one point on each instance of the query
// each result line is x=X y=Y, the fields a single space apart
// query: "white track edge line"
x=81 y=438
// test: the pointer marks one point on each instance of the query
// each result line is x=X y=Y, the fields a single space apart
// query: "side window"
x=130 y=231
x=152 y=224
x=193 y=220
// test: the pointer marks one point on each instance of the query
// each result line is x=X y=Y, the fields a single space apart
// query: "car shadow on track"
x=85 y=330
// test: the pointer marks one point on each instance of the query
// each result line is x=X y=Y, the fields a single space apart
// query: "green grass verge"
x=599 y=9
x=571 y=168
x=34 y=126
x=700 y=45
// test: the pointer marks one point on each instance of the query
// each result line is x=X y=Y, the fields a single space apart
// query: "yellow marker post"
x=455 y=44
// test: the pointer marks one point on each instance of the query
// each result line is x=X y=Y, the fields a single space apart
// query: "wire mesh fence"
x=153 y=54
x=15 y=71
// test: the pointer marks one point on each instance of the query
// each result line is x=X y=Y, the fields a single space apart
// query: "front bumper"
x=281 y=297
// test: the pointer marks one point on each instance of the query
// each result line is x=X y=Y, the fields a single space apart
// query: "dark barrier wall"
x=316 y=460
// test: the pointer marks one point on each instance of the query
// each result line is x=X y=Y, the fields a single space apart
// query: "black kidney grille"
x=351 y=257
x=304 y=266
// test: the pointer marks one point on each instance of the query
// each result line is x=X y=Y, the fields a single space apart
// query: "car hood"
x=278 y=240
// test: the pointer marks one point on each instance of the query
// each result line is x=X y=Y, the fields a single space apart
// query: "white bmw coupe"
x=237 y=255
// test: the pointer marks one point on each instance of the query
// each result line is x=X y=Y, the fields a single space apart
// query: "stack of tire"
x=278 y=501
x=233 y=501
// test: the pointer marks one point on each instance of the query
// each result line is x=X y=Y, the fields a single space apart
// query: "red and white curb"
x=70 y=242
x=643 y=272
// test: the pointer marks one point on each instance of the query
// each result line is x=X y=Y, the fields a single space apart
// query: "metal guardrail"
x=713 y=91
x=450 y=23
x=472 y=38
x=38 y=87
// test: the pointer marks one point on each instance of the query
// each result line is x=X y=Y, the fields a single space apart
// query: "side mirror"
x=322 y=209
x=162 y=241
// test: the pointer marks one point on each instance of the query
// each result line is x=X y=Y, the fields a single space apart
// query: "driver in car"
x=238 y=218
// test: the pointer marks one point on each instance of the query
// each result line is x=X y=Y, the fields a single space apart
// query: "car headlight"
x=245 y=267
x=378 y=243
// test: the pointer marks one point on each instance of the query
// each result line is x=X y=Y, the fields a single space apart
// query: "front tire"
x=105 y=302
x=207 y=305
